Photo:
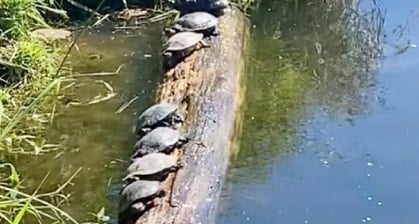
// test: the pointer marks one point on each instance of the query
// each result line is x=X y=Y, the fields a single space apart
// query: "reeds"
x=27 y=68
x=16 y=206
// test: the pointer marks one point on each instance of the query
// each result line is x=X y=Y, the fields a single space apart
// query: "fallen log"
x=208 y=87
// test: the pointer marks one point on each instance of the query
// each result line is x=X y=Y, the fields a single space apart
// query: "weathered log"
x=208 y=87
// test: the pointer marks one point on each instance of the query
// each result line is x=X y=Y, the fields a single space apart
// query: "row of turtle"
x=157 y=128
x=189 y=31
x=157 y=131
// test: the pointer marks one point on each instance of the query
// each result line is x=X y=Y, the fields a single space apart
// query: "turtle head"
x=170 y=31
x=167 y=54
x=130 y=178
x=177 y=118
x=188 y=138
x=220 y=4
x=140 y=132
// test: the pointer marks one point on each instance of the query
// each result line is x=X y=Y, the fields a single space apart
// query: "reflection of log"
x=207 y=87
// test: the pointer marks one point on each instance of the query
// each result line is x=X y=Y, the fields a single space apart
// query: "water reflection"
x=327 y=138
x=95 y=137
x=306 y=58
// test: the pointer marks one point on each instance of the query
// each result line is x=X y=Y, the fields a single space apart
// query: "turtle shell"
x=197 y=21
x=137 y=191
x=155 y=114
x=183 y=40
x=151 y=164
x=186 y=6
x=160 y=139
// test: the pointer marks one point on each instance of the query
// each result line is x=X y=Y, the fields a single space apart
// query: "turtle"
x=202 y=22
x=154 y=166
x=138 y=196
x=160 y=139
x=215 y=7
x=181 y=45
x=158 y=115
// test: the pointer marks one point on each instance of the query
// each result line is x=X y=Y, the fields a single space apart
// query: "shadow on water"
x=329 y=118
x=95 y=137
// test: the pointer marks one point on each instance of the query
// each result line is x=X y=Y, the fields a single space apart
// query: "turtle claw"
x=179 y=165
x=205 y=44
x=198 y=143
x=171 y=202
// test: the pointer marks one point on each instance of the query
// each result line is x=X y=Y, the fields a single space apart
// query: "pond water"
x=330 y=132
x=96 y=137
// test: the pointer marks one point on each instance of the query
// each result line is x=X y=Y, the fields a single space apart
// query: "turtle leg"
x=178 y=166
x=144 y=131
x=199 y=143
x=130 y=178
x=138 y=207
x=171 y=201
x=183 y=140
x=186 y=139
x=204 y=44
x=167 y=123
x=169 y=31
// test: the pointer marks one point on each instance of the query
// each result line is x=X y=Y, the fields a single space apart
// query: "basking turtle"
x=202 y=22
x=160 y=139
x=215 y=7
x=138 y=196
x=158 y=115
x=181 y=45
x=154 y=166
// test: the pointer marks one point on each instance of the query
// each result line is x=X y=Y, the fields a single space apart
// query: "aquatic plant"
x=17 y=206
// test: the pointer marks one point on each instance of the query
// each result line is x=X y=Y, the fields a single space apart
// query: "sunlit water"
x=95 y=137
x=344 y=153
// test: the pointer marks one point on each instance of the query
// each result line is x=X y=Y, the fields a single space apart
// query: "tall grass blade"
x=22 y=112
x=1 y=111
x=22 y=212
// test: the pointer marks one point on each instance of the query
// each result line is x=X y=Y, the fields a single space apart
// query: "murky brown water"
x=95 y=137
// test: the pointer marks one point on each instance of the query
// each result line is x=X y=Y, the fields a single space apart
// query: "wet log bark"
x=208 y=87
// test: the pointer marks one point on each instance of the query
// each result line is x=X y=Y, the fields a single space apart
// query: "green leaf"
x=22 y=212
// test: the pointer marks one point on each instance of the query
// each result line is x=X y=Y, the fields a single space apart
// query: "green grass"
x=27 y=69
x=27 y=101
x=17 y=206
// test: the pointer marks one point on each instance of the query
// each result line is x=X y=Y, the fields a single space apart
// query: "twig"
x=10 y=64
x=85 y=8
x=129 y=27
x=95 y=100
x=58 y=190
x=99 y=21
x=124 y=106
x=60 y=12
x=100 y=73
